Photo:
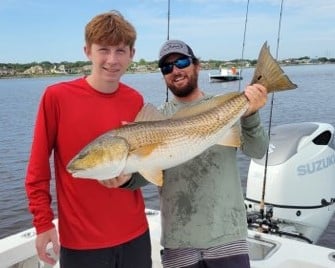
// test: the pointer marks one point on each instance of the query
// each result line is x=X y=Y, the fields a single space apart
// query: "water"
x=313 y=101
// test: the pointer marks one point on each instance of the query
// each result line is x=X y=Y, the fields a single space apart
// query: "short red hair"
x=110 y=28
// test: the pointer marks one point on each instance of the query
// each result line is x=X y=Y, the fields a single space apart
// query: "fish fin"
x=269 y=73
x=154 y=176
x=232 y=137
x=149 y=113
x=203 y=106
x=222 y=98
x=145 y=150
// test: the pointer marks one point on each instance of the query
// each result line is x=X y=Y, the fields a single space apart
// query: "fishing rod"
x=168 y=38
x=262 y=203
x=243 y=45
x=168 y=24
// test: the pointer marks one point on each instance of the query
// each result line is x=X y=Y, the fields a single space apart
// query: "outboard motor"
x=300 y=180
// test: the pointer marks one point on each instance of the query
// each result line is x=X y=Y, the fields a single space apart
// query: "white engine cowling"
x=300 y=177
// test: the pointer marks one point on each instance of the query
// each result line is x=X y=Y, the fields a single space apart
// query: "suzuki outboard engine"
x=299 y=189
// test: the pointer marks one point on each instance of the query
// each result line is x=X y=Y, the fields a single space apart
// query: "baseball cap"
x=174 y=46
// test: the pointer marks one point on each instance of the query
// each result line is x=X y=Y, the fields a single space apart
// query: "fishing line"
x=270 y=118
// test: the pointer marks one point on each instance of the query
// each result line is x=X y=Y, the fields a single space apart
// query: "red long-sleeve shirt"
x=70 y=115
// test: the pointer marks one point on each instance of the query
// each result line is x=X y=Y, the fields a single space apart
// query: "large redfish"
x=151 y=145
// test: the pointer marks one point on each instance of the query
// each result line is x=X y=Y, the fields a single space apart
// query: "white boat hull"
x=267 y=251
x=225 y=75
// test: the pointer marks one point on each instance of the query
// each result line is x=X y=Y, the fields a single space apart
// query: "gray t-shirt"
x=201 y=201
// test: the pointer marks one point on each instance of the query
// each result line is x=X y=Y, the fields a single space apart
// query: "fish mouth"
x=77 y=174
x=72 y=169
x=102 y=172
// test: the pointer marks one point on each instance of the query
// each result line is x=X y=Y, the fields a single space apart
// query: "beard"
x=187 y=89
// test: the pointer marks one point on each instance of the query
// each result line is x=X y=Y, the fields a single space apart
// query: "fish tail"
x=269 y=74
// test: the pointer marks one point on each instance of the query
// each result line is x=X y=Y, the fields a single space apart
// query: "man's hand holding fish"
x=257 y=96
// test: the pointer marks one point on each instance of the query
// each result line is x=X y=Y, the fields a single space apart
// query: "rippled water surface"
x=314 y=100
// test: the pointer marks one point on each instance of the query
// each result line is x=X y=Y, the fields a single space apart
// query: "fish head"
x=104 y=158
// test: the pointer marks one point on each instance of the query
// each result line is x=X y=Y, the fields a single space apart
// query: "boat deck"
x=266 y=250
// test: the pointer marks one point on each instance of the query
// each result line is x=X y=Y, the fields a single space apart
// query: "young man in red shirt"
x=99 y=225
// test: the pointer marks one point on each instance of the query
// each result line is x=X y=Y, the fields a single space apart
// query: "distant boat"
x=226 y=74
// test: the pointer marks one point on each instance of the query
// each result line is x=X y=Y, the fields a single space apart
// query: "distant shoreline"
x=22 y=76
x=60 y=75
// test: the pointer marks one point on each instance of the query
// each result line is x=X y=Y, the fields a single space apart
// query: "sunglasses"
x=180 y=63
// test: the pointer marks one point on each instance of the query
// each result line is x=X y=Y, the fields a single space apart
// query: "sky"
x=45 y=30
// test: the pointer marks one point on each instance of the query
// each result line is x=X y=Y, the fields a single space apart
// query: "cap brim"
x=161 y=61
